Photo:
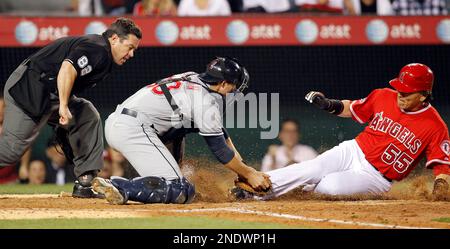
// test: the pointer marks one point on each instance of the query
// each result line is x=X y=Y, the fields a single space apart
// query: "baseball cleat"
x=105 y=186
x=83 y=187
x=80 y=191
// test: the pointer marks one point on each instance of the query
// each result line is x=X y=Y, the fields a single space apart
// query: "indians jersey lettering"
x=394 y=140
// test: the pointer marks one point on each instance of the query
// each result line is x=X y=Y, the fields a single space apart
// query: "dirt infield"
x=308 y=213
x=407 y=206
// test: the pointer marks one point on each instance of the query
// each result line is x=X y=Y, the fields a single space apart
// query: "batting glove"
x=333 y=106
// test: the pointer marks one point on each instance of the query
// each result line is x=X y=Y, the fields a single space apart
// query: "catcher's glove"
x=440 y=190
x=242 y=184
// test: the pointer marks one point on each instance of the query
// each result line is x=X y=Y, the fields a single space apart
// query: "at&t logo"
x=306 y=31
x=237 y=32
x=377 y=31
x=167 y=32
x=95 y=27
x=26 y=32
x=443 y=30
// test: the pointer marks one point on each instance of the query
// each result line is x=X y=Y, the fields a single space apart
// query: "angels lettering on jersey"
x=394 y=140
x=397 y=131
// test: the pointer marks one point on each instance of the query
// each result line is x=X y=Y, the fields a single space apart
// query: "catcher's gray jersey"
x=134 y=127
x=196 y=104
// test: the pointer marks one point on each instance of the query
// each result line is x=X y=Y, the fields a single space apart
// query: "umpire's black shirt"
x=90 y=55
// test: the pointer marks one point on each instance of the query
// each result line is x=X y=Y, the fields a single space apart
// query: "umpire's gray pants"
x=20 y=131
x=141 y=146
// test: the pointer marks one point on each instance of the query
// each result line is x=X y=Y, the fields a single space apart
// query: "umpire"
x=41 y=90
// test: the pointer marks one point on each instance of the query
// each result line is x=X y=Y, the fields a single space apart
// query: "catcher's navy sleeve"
x=219 y=148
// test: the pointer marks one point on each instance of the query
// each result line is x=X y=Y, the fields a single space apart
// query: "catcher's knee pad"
x=181 y=191
x=152 y=189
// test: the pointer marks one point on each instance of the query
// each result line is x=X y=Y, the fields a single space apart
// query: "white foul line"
x=297 y=217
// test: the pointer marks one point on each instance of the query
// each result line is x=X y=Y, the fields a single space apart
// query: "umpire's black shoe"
x=83 y=187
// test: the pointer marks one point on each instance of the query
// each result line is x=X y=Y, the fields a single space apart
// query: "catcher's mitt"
x=242 y=184
x=440 y=190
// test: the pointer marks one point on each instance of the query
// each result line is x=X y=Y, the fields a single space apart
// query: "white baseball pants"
x=342 y=170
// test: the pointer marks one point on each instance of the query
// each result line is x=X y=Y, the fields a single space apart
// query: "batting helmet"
x=226 y=69
x=414 y=77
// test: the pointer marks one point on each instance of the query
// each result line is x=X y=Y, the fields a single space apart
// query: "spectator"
x=204 y=8
x=8 y=175
x=59 y=170
x=419 y=7
x=34 y=172
x=100 y=7
x=129 y=5
x=155 y=8
x=88 y=7
x=290 y=151
x=269 y=6
x=114 y=7
x=55 y=166
x=37 y=172
x=372 y=7
x=120 y=165
x=106 y=171
x=236 y=5
x=115 y=164
x=326 y=6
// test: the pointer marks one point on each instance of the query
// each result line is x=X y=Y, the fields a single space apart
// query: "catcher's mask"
x=226 y=69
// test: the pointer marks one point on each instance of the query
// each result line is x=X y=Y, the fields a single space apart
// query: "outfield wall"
x=346 y=72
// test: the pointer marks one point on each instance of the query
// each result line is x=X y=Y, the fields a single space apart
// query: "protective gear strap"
x=169 y=98
x=163 y=84
x=219 y=148
x=153 y=189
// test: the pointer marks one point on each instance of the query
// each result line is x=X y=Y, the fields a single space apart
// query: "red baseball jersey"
x=394 y=140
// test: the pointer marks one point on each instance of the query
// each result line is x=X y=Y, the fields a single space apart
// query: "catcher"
x=157 y=117
x=402 y=128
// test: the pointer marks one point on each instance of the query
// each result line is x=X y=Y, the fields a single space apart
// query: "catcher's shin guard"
x=152 y=189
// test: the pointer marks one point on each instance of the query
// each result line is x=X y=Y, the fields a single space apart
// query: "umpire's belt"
x=385 y=177
x=129 y=112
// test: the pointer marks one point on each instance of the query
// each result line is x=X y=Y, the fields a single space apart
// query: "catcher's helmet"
x=414 y=77
x=226 y=69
